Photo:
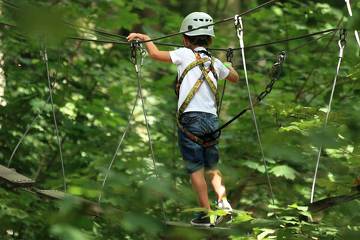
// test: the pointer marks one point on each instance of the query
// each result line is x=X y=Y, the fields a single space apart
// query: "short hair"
x=201 y=40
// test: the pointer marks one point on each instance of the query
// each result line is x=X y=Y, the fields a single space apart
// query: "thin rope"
x=138 y=68
x=98 y=40
x=341 y=55
x=295 y=49
x=348 y=5
x=96 y=31
x=240 y=34
x=357 y=37
x=250 y=11
x=29 y=127
x=110 y=41
x=261 y=44
x=46 y=60
x=322 y=54
x=119 y=146
x=9 y=4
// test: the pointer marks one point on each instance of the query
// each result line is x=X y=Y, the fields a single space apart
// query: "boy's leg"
x=222 y=203
x=217 y=183
x=199 y=184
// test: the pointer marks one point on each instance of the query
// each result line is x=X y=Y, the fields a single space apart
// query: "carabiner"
x=229 y=55
x=240 y=30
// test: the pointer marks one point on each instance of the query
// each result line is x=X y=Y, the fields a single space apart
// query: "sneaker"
x=224 y=205
x=203 y=220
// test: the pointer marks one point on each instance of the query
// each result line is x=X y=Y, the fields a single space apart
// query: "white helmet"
x=196 y=20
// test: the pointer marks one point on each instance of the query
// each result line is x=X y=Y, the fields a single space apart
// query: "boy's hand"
x=153 y=51
x=138 y=36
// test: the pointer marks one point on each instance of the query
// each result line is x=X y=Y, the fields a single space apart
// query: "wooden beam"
x=13 y=178
x=332 y=201
x=188 y=225
x=91 y=208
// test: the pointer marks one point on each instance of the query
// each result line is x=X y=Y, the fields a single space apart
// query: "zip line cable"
x=324 y=33
x=250 y=11
x=98 y=40
x=101 y=41
x=97 y=31
x=10 y=4
x=322 y=53
x=342 y=44
x=295 y=49
x=261 y=44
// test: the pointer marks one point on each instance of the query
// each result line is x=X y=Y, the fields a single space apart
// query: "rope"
x=119 y=146
x=138 y=69
x=295 y=49
x=9 y=4
x=46 y=61
x=322 y=53
x=341 y=43
x=23 y=137
x=96 y=30
x=229 y=58
x=106 y=41
x=348 y=5
x=357 y=37
x=327 y=31
x=240 y=35
x=98 y=41
x=250 y=11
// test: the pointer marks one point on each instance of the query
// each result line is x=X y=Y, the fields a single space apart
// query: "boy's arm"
x=233 y=75
x=153 y=51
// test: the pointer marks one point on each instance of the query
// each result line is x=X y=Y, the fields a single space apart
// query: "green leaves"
x=284 y=171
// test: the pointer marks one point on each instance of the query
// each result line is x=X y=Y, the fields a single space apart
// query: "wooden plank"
x=91 y=208
x=332 y=201
x=188 y=225
x=52 y=194
x=12 y=177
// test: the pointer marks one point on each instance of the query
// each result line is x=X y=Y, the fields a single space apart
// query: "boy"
x=197 y=106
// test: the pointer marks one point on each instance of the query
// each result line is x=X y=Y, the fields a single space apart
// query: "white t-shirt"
x=204 y=99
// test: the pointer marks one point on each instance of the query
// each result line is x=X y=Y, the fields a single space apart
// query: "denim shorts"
x=196 y=156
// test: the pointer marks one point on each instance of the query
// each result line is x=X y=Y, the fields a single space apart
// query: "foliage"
x=95 y=88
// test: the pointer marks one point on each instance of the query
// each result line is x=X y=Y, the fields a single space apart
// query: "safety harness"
x=199 y=62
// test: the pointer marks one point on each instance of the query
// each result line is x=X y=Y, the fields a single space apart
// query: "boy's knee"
x=213 y=172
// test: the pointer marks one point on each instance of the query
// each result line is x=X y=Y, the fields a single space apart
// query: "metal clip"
x=134 y=45
x=342 y=42
x=240 y=30
x=282 y=57
x=229 y=55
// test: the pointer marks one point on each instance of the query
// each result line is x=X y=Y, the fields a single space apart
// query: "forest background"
x=95 y=87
